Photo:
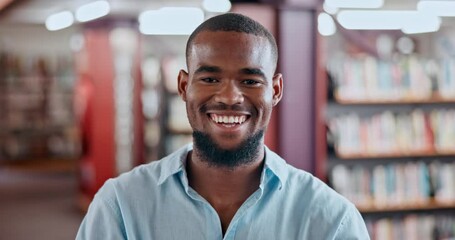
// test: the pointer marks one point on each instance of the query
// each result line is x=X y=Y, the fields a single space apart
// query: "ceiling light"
x=221 y=6
x=59 y=21
x=326 y=25
x=170 y=21
x=92 y=11
x=421 y=23
x=354 y=3
x=328 y=9
x=439 y=8
x=407 y=21
x=371 y=19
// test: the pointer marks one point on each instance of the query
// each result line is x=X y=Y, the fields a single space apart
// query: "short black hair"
x=233 y=22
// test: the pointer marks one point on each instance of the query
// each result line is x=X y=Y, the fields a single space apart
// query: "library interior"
x=88 y=90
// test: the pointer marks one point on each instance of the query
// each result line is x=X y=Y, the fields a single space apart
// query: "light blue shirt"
x=154 y=201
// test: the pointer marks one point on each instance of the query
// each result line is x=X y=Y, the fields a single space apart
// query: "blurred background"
x=88 y=91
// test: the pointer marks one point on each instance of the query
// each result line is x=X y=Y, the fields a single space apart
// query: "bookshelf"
x=412 y=226
x=386 y=127
x=36 y=108
x=431 y=204
x=166 y=124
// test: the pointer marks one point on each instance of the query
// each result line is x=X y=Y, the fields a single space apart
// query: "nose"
x=229 y=94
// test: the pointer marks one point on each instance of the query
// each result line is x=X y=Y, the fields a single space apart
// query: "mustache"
x=222 y=107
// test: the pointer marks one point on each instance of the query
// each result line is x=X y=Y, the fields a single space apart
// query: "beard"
x=211 y=153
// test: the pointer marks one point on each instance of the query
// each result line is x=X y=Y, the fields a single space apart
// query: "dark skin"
x=231 y=75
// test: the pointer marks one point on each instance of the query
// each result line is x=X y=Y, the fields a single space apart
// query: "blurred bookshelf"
x=166 y=124
x=386 y=131
x=36 y=108
x=177 y=130
x=412 y=226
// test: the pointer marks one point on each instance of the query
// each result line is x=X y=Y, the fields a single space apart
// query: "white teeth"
x=228 y=119
x=231 y=119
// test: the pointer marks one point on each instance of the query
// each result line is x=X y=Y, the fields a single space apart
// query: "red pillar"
x=96 y=75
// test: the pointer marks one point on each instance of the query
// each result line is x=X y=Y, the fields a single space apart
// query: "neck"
x=225 y=188
x=224 y=184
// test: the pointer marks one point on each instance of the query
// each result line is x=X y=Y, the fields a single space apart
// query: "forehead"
x=235 y=47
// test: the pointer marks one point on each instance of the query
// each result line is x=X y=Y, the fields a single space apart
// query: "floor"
x=38 y=203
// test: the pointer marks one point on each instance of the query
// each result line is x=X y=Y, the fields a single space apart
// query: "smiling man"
x=227 y=184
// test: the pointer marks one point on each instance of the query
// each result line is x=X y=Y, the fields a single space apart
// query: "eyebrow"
x=253 y=71
x=214 y=69
x=208 y=69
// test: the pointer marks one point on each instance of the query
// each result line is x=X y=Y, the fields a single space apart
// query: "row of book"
x=396 y=184
x=36 y=72
x=415 y=227
x=57 y=143
x=166 y=124
x=363 y=77
x=36 y=101
x=394 y=133
x=22 y=109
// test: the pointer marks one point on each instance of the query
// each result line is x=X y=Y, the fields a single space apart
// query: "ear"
x=277 y=88
x=182 y=84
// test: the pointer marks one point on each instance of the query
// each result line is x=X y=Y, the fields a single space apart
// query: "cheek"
x=266 y=104
x=266 y=98
x=191 y=114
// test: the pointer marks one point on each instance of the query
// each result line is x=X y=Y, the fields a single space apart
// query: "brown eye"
x=209 y=80
x=250 y=82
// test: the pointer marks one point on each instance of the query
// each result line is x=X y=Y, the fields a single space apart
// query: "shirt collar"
x=176 y=161
x=276 y=165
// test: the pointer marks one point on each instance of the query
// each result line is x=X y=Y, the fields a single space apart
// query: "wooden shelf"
x=434 y=99
x=68 y=164
x=431 y=204
x=396 y=155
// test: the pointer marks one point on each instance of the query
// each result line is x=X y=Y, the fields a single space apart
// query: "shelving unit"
x=36 y=108
x=387 y=136
x=166 y=125
x=430 y=204
x=176 y=126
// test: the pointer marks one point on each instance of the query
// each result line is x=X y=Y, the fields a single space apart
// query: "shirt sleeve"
x=352 y=227
x=103 y=219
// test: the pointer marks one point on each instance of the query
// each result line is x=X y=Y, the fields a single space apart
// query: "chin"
x=236 y=155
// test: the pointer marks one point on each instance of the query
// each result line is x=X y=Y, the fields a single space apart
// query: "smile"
x=228 y=119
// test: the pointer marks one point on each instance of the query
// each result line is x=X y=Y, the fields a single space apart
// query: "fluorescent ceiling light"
x=59 y=21
x=92 y=11
x=408 y=21
x=354 y=3
x=326 y=25
x=371 y=19
x=421 y=23
x=439 y=8
x=170 y=21
x=221 y=6
x=328 y=9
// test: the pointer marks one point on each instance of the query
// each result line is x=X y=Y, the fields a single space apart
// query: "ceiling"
x=36 y=11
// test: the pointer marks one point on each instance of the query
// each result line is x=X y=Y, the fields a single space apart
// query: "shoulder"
x=319 y=204
x=303 y=190
x=298 y=180
x=312 y=187
x=329 y=208
x=146 y=176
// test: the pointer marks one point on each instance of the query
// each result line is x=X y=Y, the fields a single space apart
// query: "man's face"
x=230 y=88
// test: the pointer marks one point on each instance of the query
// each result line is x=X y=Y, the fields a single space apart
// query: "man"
x=227 y=184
